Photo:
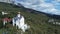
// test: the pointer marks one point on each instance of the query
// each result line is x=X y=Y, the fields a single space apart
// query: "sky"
x=46 y=6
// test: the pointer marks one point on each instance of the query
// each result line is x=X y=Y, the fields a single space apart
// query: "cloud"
x=57 y=0
x=46 y=6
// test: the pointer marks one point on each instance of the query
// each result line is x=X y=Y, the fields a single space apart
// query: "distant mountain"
x=34 y=11
x=46 y=6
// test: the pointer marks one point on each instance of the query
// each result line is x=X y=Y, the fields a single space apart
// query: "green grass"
x=38 y=22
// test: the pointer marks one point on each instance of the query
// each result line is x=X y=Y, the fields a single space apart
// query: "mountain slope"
x=38 y=22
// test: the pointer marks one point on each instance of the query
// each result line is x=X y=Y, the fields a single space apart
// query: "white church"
x=18 y=20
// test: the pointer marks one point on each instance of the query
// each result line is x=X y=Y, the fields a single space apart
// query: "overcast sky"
x=47 y=6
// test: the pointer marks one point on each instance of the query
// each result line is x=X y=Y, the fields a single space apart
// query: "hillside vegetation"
x=38 y=22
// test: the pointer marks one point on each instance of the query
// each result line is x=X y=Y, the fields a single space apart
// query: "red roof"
x=7 y=19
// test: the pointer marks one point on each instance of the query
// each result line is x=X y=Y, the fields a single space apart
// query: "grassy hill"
x=38 y=22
